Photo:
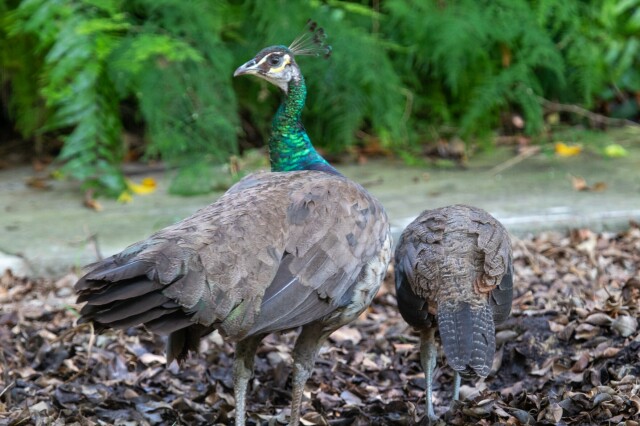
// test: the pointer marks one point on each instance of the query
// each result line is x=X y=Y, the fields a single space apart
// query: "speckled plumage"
x=453 y=272
x=299 y=246
x=221 y=267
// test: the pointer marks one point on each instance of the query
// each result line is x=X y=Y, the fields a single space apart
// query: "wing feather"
x=276 y=251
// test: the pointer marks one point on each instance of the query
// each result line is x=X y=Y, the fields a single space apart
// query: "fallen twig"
x=6 y=378
x=526 y=153
x=7 y=388
x=594 y=117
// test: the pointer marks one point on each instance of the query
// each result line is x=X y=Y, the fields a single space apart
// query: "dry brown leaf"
x=599 y=318
x=559 y=356
x=92 y=204
x=313 y=419
x=556 y=412
x=581 y=364
x=404 y=347
x=350 y=398
x=346 y=334
x=580 y=184
x=149 y=358
x=38 y=182
x=599 y=186
x=625 y=325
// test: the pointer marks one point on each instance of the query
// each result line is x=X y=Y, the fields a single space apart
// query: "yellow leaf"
x=553 y=118
x=125 y=197
x=615 y=151
x=147 y=186
x=57 y=175
x=599 y=186
x=564 y=150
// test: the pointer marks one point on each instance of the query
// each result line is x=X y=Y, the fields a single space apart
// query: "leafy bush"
x=618 y=36
x=94 y=54
x=401 y=73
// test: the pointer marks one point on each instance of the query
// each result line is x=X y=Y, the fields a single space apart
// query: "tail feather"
x=143 y=318
x=120 y=290
x=170 y=323
x=108 y=270
x=185 y=340
x=128 y=303
x=133 y=308
x=468 y=337
x=123 y=292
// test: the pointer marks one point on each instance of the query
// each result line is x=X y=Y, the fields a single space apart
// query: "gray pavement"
x=49 y=232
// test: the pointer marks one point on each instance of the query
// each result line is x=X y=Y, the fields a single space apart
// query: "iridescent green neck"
x=289 y=145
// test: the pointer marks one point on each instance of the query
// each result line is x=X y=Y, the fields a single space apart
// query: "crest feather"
x=312 y=42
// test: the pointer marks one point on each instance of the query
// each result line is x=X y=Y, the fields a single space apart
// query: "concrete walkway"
x=49 y=232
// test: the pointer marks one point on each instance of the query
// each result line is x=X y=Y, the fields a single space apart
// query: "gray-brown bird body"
x=301 y=246
x=277 y=251
x=453 y=271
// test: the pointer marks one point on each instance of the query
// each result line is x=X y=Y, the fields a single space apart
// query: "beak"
x=247 y=68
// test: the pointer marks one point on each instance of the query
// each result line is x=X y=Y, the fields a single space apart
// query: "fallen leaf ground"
x=569 y=354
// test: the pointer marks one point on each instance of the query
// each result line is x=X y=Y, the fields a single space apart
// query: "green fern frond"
x=74 y=87
x=357 y=87
x=183 y=85
x=94 y=54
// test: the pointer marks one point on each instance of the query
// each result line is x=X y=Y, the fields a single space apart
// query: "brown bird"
x=299 y=246
x=454 y=274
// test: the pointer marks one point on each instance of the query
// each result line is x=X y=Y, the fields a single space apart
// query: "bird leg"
x=305 y=351
x=456 y=385
x=428 y=361
x=242 y=372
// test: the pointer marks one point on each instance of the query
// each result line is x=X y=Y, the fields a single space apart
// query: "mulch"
x=568 y=355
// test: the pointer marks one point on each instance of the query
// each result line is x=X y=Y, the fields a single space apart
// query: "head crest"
x=312 y=42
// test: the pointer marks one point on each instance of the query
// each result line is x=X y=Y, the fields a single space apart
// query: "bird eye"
x=275 y=60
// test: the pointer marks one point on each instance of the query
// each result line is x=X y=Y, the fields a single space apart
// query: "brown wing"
x=333 y=232
x=276 y=251
x=455 y=263
x=413 y=306
x=495 y=244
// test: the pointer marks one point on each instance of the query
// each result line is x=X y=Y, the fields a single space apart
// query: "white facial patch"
x=286 y=61
x=263 y=59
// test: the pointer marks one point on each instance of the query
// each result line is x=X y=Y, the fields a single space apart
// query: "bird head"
x=277 y=65
x=274 y=64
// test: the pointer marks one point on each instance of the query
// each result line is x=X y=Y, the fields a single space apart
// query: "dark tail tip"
x=183 y=341
x=468 y=337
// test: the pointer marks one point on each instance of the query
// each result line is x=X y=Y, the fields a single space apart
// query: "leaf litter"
x=568 y=355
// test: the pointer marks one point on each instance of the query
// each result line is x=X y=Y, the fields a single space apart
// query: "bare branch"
x=551 y=106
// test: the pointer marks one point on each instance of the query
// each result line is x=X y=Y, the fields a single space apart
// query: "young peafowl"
x=454 y=273
x=299 y=246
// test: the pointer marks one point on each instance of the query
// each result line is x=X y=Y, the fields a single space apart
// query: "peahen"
x=454 y=273
x=299 y=246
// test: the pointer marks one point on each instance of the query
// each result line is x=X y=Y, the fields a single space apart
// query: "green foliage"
x=404 y=71
x=482 y=57
x=619 y=39
x=189 y=106
x=21 y=70
x=73 y=83
x=600 y=44
x=351 y=97
x=95 y=54
x=355 y=88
